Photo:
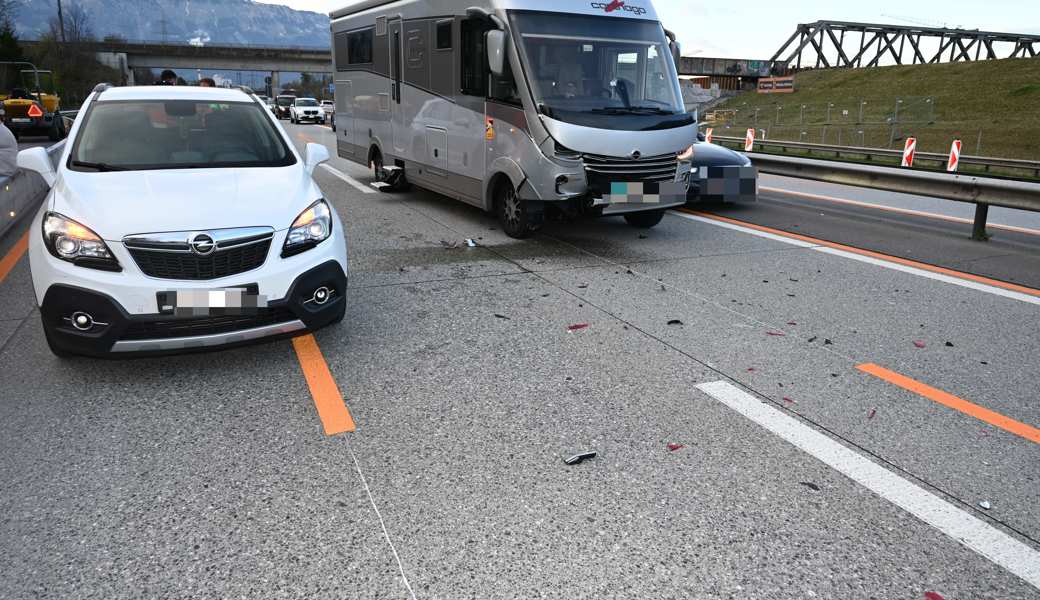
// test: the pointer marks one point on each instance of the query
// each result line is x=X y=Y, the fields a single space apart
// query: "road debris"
x=675 y=322
x=827 y=342
x=663 y=288
x=791 y=323
x=751 y=369
x=673 y=446
x=790 y=400
x=629 y=272
x=870 y=415
x=498 y=316
x=577 y=326
x=776 y=333
x=582 y=286
x=449 y=245
x=580 y=457
x=794 y=280
x=985 y=504
x=919 y=343
x=812 y=486
x=471 y=243
x=812 y=339
x=933 y=596
x=949 y=344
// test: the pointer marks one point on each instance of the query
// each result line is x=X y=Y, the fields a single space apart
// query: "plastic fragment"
x=983 y=362
x=790 y=295
x=545 y=295
x=751 y=369
x=949 y=344
x=673 y=446
x=870 y=415
x=498 y=316
x=933 y=596
x=675 y=322
x=662 y=288
x=789 y=400
x=792 y=279
x=827 y=342
x=985 y=504
x=577 y=326
x=812 y=339
x=579 y=457
x=583 y=286
x=812 y=486
x=471 y=243
x=629 y=272
x=919 y=343
x=834 y=374
x=791 y=323
x=775 y=333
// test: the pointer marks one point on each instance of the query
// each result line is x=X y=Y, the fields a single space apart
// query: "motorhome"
x=530 y=109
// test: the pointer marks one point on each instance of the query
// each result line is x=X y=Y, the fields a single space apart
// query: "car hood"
x=122 y=203
x=710 y=155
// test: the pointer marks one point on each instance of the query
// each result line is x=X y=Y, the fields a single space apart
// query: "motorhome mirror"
x=496 y=50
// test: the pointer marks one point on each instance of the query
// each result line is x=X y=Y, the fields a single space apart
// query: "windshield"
x=583 y=66
x=306 y=102
x=181 y=134
x=285 y=100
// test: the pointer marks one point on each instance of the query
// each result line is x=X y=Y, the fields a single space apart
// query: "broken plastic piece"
x=583 y=286
x=812 y=486
x=812 y=339
x=673 y=446
x=919 y=343
x=791 y=323
x=581 y=456
x=827 y=342
x=775 y=333
x=985 y=504
x=471 y=243
x=789 y=400
x=933 y=596
x=949 y=344
x=870 y=415
x=675 y=322
x=577 y=326
x=751 y=369
x=498 y=316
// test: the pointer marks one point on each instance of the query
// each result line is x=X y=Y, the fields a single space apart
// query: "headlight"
x=686 y=154
x=71 y=241
x=312 y=227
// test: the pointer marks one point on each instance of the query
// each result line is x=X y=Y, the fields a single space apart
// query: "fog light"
x=82 y=321
x=321 y=295
x=561 y=180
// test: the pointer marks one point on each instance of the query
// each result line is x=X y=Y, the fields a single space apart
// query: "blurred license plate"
x=223 y=301
x=21 y=120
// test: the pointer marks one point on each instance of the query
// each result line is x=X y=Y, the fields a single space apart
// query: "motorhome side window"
x=359 y=47
x=340 y=49
x=473 y=58
x=444 y=35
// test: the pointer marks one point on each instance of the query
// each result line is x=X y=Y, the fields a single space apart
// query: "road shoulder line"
x=347 y=178
x=980 y=537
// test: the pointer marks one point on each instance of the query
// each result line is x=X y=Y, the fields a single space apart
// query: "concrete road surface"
x=773 y=417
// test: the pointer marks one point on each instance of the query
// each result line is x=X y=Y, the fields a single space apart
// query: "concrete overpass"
x=128 y=55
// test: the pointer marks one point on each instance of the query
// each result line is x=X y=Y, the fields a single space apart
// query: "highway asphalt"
x=794 y=471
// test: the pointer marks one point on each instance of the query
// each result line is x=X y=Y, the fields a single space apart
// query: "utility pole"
x=61 y=22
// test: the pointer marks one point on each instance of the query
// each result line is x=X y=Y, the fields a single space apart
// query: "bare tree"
x=8 y=10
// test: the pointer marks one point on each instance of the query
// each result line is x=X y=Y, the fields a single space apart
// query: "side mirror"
x=701 y=137
x=315 y=155
x=37 y=159
x=496 y=51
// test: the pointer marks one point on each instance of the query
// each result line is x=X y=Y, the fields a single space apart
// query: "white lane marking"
x=354 y=182
x=974 y=285
x=382 y=524
x=973 y=533
x=967 y=283
x=905 y=211
x=764 y=234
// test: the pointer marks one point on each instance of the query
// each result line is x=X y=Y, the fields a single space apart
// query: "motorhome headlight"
x=312 y=227
x=70 y=241
x=686 y=154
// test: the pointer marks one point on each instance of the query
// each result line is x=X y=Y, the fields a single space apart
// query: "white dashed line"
x=354 y=182
x=973 y=533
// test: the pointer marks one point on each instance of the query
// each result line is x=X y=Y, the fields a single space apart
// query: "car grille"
x=177 y=328
x=602 y=170
x=187 y=266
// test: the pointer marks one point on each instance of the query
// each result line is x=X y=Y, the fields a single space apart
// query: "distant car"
x=306 y=110
x=329 y=106
x=282 y=105
x=153 y=242
x=719 y=174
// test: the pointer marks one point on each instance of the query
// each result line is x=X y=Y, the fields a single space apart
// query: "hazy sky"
x=757 y=28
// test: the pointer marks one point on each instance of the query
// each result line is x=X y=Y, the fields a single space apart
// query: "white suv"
x=182 y=218
x=306 y=110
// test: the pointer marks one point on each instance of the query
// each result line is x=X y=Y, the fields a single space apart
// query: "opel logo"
x=202 y=244
x=636 y=154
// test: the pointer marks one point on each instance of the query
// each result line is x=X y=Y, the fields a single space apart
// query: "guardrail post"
x=978 y=230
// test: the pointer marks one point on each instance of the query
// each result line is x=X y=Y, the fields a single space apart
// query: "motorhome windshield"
x=606 y=72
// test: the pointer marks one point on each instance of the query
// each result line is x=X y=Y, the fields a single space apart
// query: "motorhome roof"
x=634 y=9
x=358 y=6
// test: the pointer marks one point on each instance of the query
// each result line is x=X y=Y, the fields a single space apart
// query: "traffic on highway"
x=494 y=318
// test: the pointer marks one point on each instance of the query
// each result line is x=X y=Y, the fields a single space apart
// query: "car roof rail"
x=102 y=87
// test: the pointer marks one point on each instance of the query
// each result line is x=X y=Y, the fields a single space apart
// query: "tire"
x=644 y=220
x=512 y=212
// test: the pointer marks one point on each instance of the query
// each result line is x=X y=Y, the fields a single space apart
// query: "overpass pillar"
x=276 y=86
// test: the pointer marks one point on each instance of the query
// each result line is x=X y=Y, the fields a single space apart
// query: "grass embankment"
x=997 y=101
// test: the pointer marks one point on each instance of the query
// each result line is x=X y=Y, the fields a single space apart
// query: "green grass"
x=998 y=99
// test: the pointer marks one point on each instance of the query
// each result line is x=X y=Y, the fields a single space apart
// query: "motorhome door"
x=397 y=107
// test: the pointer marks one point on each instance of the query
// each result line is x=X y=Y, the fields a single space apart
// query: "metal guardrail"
x=983 y=161
x=983 y=192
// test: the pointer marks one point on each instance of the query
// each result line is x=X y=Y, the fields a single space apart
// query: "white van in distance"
x=527 y=108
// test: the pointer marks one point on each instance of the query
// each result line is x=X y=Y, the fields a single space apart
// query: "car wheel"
x=645 y=220
x=512 y=212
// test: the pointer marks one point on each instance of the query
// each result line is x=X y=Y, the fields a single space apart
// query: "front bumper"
x=116 y=332
x=315 y=118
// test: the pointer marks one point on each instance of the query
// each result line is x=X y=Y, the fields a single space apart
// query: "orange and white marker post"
x=908 y=152
x=955 y=156
x=707 y=134
x=749 y=140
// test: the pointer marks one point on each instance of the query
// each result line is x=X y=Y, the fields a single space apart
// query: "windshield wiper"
x=632 y=110
x=97 y=166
